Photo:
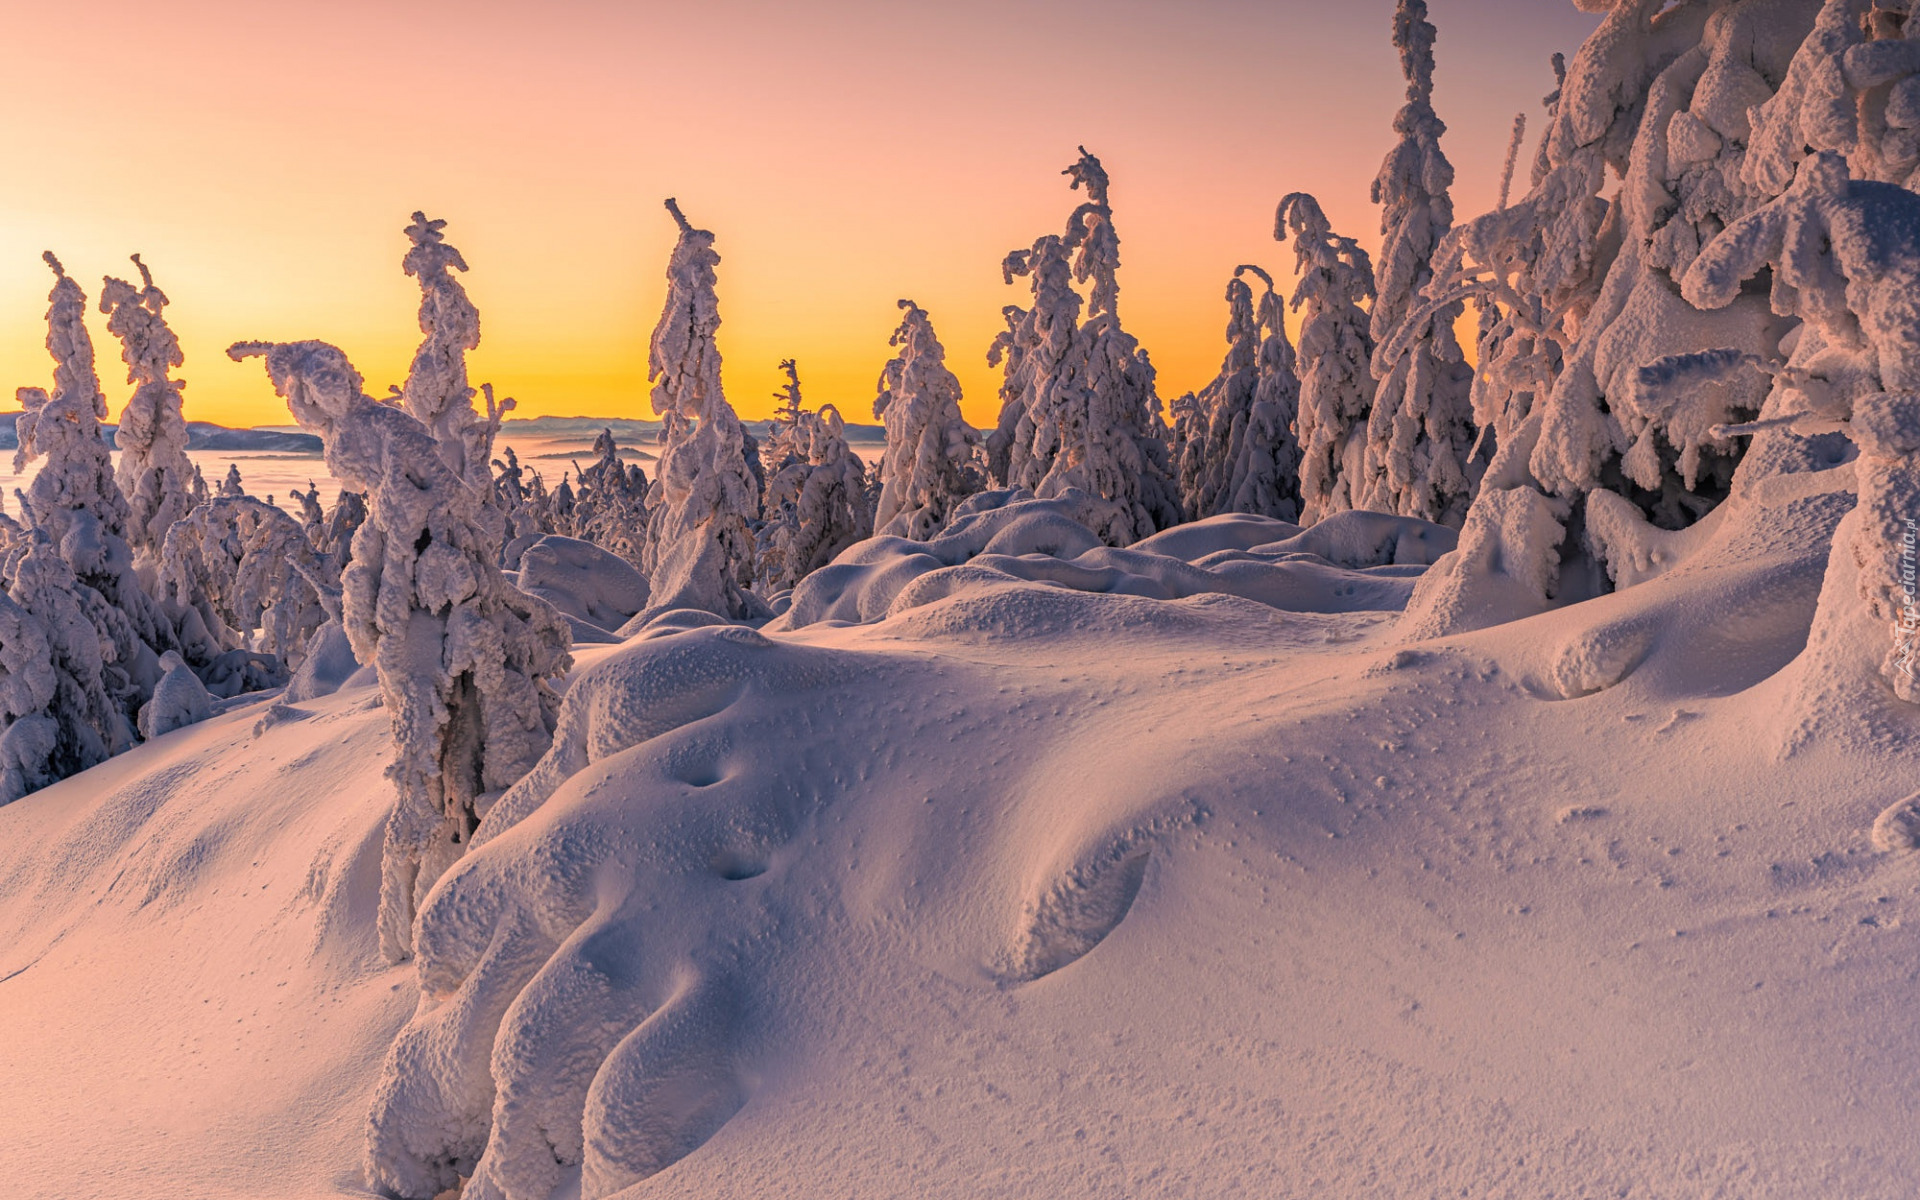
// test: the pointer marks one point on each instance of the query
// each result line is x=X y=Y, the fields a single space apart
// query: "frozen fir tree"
x=437 y=393
x=1420 y=433
x=699 y=550
x=253 y=576
x=1264 y=459
x=784 y=443
x=610 y=506
x=1079 y=407
x=932 y=460
x=75 y=500
x=57 y=716
x=154 y=474
x=816 y=501
x=1581 y=291
x=1237 y=453
x=1221 y=406
x=1336 y=350
x=231 y=487
x=466 y=660
x=1844 y=256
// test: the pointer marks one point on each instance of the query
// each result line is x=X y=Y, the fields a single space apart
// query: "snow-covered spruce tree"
x=1237 y=453
x=437 y=393
x=1221 y=406
x=232 y=487
x=932 y=460
x=1264 y=459
x=465 y=660
x=56 y=714
x=1844 y=256
x=253 y=576
x=154 y=473
x=609 y=509
x=785 y=444
x=1588 y=293
x=1336 y=348
x=75 y=501
x=816 y=505
x=1079 y=406
x=1420 y=434
x=699 y=551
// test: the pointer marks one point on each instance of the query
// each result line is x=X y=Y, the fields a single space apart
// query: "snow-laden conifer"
x=932 y=461
x=154 y=473
x=1079 y=406
x=75 y=501
x=1221 y=406
x=1420 y=432
x=1336 y=349
x=816 y=501
x=610 y=507
x=466 y=661
x=57 y=716
x=1263 y=476
x=437 y=393
x=699 y=550
x=253 y=575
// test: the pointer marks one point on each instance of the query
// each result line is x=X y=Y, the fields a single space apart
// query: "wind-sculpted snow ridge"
x=1351 y=562
x=466 y=661
x=770 y=885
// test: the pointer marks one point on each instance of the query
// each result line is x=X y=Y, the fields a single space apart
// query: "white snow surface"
x=1029 y=886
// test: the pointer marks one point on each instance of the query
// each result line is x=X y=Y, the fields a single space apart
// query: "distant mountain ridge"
x=284 y=439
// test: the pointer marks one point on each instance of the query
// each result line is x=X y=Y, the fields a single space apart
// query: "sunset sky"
x=263 y=159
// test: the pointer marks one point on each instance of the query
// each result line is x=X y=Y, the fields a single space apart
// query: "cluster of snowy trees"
x=1742 y=296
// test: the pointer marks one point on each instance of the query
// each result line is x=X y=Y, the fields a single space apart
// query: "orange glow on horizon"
x=264 y=161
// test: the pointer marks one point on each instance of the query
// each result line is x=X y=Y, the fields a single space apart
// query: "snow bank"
x=1350 y=562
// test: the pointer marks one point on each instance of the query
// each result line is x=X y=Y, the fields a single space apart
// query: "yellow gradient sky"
x=263 y=159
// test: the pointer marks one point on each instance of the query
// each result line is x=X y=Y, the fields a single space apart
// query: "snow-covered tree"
x=466 y=660
x=1844 y=256
x=1420 y=433
x=1587 y=294
x=932 y=460
x=154 y=474
x=699 y=550
x=231 y=487
x=253 y=575
x=437 y=393
x=1263 y=458
x=610 y=507
x=1237 y=452
x=1222 y=406
x=816 y=501
x=1079 y=408
x=57 y=715
x=76 y=502
x=1336 y=349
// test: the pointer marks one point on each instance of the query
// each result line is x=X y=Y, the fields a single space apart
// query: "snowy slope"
x=1028 y=891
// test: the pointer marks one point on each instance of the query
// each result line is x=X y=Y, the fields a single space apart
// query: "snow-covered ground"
x=1034 y=887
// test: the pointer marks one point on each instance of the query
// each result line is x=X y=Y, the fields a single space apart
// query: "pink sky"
x=264 y=158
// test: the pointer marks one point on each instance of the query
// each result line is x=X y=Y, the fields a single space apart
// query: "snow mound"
x=1351 y=562
x=583 y=582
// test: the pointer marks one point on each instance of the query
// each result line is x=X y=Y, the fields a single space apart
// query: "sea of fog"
x=278 y=473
